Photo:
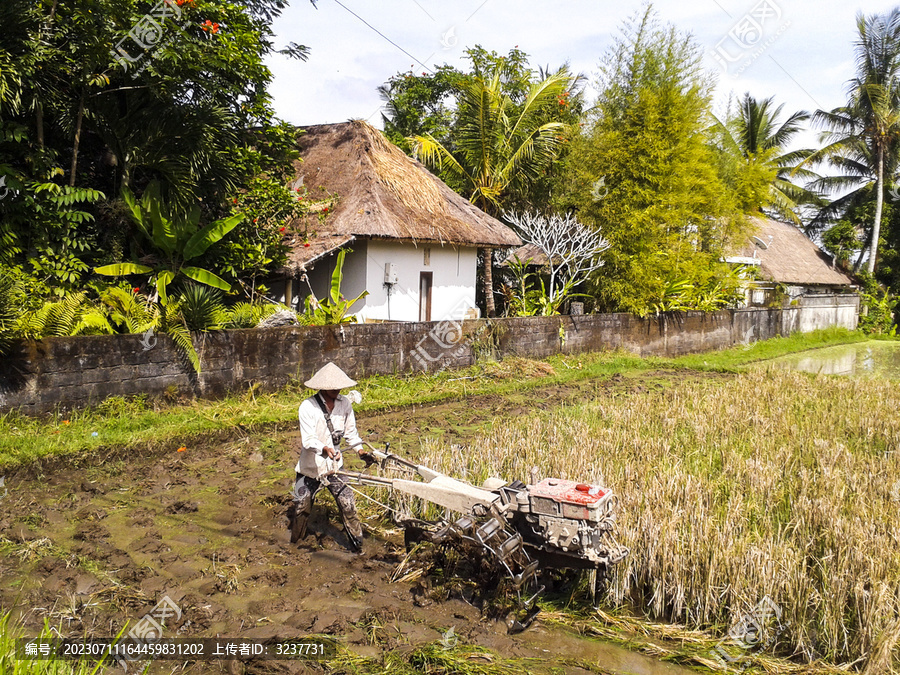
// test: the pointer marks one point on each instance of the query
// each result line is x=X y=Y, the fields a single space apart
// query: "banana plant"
x=332 y=309
x=178 y=237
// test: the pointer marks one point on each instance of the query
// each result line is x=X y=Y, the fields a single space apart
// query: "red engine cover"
x=568 y=491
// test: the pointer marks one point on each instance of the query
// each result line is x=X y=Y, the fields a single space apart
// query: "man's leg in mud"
x=304 y=492
x=346 y=503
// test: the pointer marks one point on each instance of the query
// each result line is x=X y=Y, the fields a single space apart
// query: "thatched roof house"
x=391 y=211
x=787 y=256
x=383 y=193
x=784 y=255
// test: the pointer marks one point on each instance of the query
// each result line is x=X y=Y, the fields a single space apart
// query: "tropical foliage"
x=177 y=238
x=89 y=112
x=645 y=174
x=527 y=295
x=862 y=138
x=333 y=308
x=763 y=172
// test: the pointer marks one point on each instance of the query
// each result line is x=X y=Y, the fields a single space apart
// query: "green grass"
x=433 y=658
x=146 y=426
x=10 y=631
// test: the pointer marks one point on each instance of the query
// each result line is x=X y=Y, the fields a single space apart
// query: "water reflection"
x=875 y=358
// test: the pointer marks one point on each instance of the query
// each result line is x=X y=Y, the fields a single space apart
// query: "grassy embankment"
x=147 y=426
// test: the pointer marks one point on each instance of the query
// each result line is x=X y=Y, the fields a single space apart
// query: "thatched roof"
x=789 y=257
x=382 y=193
x=527 y=253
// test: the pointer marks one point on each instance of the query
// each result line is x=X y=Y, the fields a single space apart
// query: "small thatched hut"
x=412 y=240
x=784 y=255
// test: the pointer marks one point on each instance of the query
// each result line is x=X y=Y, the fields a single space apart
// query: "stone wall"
x=61 y=373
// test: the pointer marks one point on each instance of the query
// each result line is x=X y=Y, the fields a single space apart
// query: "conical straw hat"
x=329 y=377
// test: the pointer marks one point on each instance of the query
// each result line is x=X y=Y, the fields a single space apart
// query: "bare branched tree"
x=572 y=249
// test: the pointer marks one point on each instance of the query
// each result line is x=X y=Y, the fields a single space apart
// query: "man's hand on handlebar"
x=365 y=456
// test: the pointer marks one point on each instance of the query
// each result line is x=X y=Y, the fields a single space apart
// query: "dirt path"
x=95 y=547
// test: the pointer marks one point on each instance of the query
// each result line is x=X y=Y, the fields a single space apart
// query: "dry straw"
x=771 y=484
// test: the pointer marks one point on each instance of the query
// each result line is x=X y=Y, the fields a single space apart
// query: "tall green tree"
x=188 y=107
x=645 y=175
x=416 y=105
x=863 y=137
x=756 y=137
x=433 y=105
x=499 y=144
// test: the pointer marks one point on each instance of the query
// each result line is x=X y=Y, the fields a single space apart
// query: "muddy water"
x=874 y=359
x=603 y=655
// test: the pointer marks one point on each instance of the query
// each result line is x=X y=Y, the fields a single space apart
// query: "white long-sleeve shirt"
x=314 y=435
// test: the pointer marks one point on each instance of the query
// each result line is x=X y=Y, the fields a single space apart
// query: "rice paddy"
x=770 y=484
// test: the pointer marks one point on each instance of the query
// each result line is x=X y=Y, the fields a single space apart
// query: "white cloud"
x=805 y=66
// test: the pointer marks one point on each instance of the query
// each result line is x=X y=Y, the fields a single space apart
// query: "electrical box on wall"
x=390 y=273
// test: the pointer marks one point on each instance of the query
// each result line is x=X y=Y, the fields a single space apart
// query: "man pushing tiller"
x=326 y=418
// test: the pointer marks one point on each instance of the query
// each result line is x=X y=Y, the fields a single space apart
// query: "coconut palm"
x=863 y=137
x=498 y=143
x=757 y=136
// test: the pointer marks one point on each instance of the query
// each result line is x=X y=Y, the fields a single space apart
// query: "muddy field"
x=90 y=549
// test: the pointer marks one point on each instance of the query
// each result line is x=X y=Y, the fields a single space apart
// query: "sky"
x=799 y=51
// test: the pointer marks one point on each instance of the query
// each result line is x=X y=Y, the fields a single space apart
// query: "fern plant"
x=8 y=314
x=133 y=313
x=248 y=315
x=72 y=315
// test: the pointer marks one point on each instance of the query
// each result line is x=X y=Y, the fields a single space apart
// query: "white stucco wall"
x=453 y=282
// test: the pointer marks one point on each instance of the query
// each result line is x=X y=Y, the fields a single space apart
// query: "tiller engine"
x=555 y=523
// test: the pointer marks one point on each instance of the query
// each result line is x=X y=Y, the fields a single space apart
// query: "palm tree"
x=756 y=135
x=862 y=136
x=498 y=143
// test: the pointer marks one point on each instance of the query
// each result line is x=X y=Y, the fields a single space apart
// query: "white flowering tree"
x=573 y=250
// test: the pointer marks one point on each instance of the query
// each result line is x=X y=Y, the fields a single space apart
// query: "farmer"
x=325 y=419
